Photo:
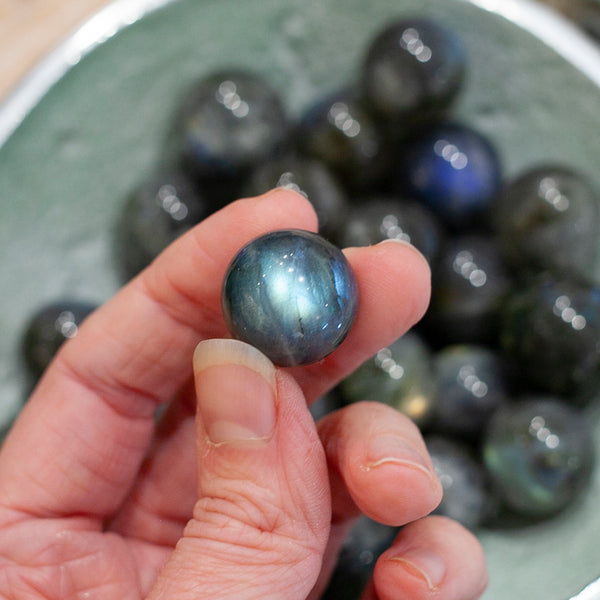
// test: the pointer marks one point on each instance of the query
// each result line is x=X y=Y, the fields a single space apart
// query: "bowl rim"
x=546 y=24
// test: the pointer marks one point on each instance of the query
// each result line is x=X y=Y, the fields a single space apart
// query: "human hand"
x=234 y=493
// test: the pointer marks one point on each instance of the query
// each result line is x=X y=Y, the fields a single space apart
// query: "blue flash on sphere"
x=292 y=295
x=455 y=170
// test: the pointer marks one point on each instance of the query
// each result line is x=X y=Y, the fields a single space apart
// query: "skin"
x=100 y=500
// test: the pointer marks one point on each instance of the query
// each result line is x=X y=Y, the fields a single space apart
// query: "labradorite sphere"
x=308 y=177
x=550 y=329
x=539 y=453
x=413 y=70
x=548 y=218
x=376 y=218
x=455 y=170
x=159 y=209
x=49 y=328
x=400 y=375
x=467 y=497
x=292 y=295
x=338 y=131
x=229 y=122
x=472 y=383
x=469 y=284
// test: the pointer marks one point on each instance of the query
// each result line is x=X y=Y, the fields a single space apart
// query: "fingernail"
x=391 y=449
x=424 y=564
x=236 y=390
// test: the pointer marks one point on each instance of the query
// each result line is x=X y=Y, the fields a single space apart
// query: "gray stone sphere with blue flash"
x=291 y=294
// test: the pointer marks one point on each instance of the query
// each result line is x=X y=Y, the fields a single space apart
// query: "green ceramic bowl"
x=89 y=122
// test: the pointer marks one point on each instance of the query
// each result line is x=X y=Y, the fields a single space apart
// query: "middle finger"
x=378 y=465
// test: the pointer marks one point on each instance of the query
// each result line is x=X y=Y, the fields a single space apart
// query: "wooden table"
x=30 y=28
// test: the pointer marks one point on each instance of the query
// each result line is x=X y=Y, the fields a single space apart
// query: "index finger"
x=79 y=441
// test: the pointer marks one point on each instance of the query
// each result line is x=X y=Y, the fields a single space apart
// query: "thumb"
x=261 y=522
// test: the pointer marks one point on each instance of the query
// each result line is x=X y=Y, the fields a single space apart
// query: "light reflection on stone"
x=66 y=324
x=562 y=308
x=469 y=379
x=170 y=202
x=227 y=96
x=451 y=154
x=385 y=361
x=339 y=115
x=412 y=42
x=465 y=266
x=538 y=429
x=391 y=229
x=550 y=192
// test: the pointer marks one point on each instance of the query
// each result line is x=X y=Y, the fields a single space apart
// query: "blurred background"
x=30 y=28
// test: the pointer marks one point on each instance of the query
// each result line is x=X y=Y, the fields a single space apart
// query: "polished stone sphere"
x=373 y=219
x=400 y=375
x=230 y=121
x=469 y=284
x=366 y=542
x=550 y=329
x=308 y=177
x=291 y=294
x=539 y=453
x=467 y=497
x=413 y=70
x=156 y=211
x=455 y=170
x=338 y=131
x=49 y=328
x=472 y=384
x=548 y=218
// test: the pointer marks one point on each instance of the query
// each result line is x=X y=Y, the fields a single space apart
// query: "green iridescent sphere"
x=400 y=375
x=540 y=454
